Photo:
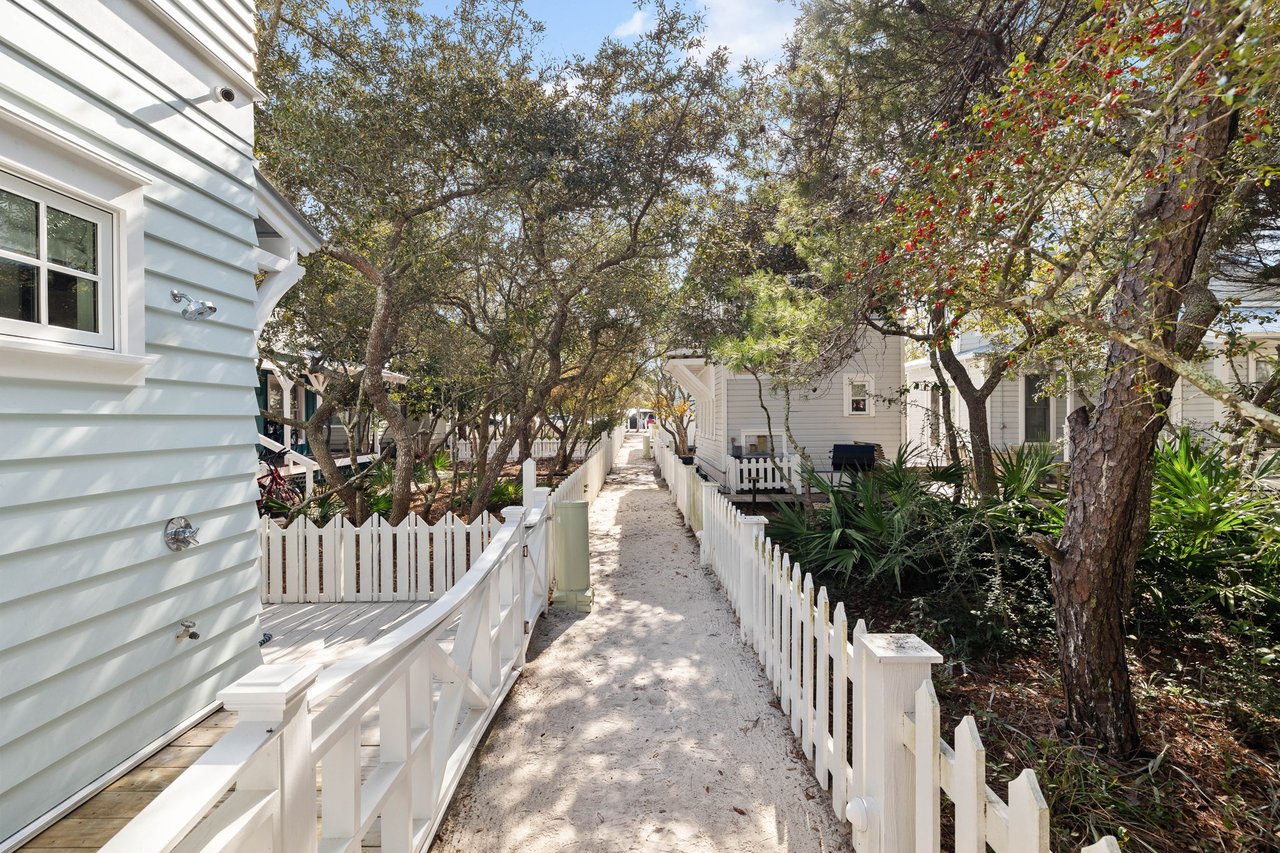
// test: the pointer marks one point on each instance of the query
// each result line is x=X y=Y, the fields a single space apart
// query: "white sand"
x=645 y=725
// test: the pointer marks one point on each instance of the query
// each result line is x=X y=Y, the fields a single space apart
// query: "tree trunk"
x=1109 y=496
x=975 y=403
x=944 y=400
x=981 y=455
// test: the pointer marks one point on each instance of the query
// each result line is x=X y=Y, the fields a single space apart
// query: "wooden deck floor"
x=300 y=632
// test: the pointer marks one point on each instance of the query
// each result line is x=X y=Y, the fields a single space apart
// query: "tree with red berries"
x=1080 y=201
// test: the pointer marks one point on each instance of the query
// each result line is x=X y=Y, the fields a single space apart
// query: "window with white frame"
x=761 y=443
x=859 y=395
x=56 y=266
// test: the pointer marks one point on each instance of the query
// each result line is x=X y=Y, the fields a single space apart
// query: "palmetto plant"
x=1215 y=532
x=897 y=530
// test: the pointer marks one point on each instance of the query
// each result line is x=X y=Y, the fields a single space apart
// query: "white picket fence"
x=762 y=474
x=375 y=561
x=430 y=686
x=863 y=705
x=542 y=448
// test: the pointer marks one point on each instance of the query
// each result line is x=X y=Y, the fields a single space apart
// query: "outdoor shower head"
x=195 y=309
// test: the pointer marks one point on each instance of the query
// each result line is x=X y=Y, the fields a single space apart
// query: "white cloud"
x=749 y=28
x=632 y=26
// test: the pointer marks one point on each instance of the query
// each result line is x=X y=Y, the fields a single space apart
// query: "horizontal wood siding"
x=90 y=597
x=711 y=442
x=817 y=413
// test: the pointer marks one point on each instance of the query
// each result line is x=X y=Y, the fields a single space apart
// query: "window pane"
x=858 y=398
x=18 y=224
x=18 y=291
x=73 y=302
x=73 y=242
x=1036 y=411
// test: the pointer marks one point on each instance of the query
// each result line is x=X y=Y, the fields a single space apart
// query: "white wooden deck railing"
x=862 y=705
x=431 y=687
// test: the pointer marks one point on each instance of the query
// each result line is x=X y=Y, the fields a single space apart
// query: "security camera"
x=224 y=93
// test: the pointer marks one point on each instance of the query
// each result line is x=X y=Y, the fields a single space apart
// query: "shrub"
x=895 y=532
x=1214 y=536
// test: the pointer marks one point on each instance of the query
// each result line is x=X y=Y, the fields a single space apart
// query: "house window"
x=1035 y=410
x=759 y=444
x=859 y=395
x=55 y=267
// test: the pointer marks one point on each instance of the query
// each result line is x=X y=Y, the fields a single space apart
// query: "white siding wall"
x=817 y=416
x=90 y=597
x=1004 y=409
x=711 y=422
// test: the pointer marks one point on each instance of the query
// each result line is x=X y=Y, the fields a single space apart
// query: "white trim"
x=197 y=46
x=50 y=361
x=781 y=447
x=34 y=126
x=103 y=275
x=847 y=379
x=60 y=163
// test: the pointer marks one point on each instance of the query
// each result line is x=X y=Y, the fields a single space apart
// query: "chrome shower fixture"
x=195 y=309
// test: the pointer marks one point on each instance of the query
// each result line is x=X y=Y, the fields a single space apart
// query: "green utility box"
x=572 y=557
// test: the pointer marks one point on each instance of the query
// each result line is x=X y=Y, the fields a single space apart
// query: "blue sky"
x=750 y=28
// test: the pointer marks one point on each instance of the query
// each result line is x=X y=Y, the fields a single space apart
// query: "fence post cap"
x=755 y=519
x=900 y=648
x=512 y=514
x=268 y=691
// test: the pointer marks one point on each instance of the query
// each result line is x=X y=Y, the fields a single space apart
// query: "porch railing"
x=862 y=704
x=431 y=686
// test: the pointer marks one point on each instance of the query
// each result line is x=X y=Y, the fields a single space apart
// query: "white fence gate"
x=431 y=687
x=863 y=705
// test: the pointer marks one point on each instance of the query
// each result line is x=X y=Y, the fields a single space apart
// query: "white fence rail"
x=430 y=686
x=374 y=561
x=862 y=705
x=378 y=561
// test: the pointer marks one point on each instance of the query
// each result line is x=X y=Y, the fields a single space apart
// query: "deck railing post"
x=275 y=695
x=891 y=668
x=536 y=577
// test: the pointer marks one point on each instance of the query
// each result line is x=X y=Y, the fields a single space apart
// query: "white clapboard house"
x=126 y=174
x=1019 y=412
x=850 y=411
x=884 y=396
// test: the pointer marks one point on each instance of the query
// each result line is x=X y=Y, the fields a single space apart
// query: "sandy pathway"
x=644 y=725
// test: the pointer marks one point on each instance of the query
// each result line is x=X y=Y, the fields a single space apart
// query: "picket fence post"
x=709 y=493
x=891 y=668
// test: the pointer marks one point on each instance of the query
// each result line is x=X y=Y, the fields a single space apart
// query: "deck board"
x=301 y=633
